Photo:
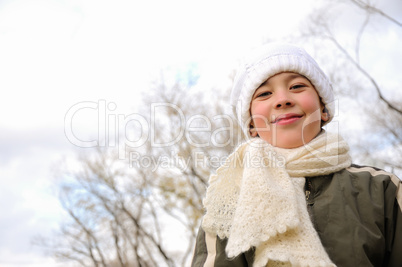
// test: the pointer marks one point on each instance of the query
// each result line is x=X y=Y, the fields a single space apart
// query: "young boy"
x=290 y=196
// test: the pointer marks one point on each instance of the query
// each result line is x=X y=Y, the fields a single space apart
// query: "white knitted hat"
x=265 y=62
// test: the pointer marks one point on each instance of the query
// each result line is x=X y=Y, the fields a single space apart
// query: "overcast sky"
x=57 y=54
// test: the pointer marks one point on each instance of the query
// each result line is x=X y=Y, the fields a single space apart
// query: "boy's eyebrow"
x=291 y=76
x=294 y=76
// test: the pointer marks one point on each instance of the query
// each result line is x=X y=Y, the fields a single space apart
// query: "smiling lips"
x=286 y=119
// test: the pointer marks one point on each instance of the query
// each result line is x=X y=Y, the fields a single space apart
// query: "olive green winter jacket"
x=356 y=212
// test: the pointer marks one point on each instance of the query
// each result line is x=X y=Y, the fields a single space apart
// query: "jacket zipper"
x=308 y=188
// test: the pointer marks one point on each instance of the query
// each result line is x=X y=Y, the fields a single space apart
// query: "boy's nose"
x=283 y=100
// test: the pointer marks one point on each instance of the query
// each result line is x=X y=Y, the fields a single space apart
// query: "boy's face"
x=286 y=111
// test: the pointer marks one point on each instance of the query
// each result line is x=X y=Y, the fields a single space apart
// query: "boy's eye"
x=264 y=94
x=297 y=86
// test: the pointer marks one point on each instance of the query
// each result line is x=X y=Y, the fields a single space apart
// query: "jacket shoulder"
x=373 y=173
x=375 y=177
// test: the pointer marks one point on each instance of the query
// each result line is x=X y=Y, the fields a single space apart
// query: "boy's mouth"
x=286 y=118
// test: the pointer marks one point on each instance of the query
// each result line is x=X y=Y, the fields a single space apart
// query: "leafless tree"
x=341 y=33
x=120 y=211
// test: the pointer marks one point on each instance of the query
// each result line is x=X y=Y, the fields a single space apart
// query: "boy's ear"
x=253 y=131
x=324 y=114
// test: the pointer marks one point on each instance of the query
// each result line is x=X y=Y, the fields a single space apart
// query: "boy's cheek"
x=259 y=112
x=311 y=103
x=262 y=125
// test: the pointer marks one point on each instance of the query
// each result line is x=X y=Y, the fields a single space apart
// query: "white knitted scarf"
x=257 y=199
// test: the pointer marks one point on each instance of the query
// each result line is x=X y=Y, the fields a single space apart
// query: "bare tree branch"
x=359 y=36
x=116 y=243
x=365 y=73
x=372 y=9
